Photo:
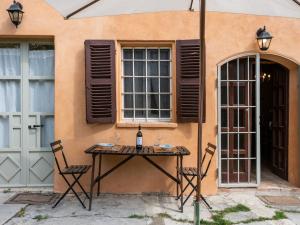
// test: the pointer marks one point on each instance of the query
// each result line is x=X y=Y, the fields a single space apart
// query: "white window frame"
x=146 y=119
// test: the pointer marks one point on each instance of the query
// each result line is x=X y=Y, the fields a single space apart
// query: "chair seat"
x=189 y=171
x=76 y=169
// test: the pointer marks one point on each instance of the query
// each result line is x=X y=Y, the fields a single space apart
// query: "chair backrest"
x=206 y=160
x=57 y=147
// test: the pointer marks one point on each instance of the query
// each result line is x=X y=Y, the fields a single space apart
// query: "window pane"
x=224 y=118
x=140 y=84
x=128 y=101
x=127 y=54
x=243 y=68
x=152 y=85
x=10 y=60
x=164 y=85
x=224 y=95
x=165 y=54
x=152 y=69
x=224 y=72
x=128 y=113
x=152 y=54
x=139 y=54
x=4 y=132
x=47 y=131
x=41 y=96
x=232 y=70
x=153 y=113
x=41 y=59
x=164 y=101
x=128 y=68
x=140 y=113
x=153 y=101
x=139 y=68
x=128 y=84
x=10 y=96
x=165 y=69
x=140 y=101
x=165 y=114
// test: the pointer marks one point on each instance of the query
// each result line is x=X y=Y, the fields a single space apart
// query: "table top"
x=131 y=150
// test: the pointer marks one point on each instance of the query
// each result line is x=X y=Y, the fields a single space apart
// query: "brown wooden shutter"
x=187 y=78
x=100 y=81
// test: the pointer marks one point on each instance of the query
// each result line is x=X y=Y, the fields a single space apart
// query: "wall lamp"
x=15 y=13
x=263 y=39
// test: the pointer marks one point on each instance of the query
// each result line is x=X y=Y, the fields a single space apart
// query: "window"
x=146 y=84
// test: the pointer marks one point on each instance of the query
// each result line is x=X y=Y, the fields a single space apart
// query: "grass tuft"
x=279 y=215
x=21 y=213
x=135 y=216
x=8 y=190
x=217 y=217
x=237 y=208
x=40 y=217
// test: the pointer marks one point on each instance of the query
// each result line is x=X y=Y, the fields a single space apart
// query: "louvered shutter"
x=100 y=81
x=187 y=78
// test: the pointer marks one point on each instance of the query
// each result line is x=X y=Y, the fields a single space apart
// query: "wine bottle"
x=139 y=139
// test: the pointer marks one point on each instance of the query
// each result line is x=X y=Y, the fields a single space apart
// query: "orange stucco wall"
x=226 y=35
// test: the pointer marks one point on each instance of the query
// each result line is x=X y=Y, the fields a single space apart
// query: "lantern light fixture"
x=15 y=13
x=263 y=39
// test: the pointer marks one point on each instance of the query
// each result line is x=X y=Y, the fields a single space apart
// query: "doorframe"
x=257 y=99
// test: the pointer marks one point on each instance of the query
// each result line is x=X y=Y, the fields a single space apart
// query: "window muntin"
x=146 y=84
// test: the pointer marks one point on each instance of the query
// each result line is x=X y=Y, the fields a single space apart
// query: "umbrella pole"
x=202 y=71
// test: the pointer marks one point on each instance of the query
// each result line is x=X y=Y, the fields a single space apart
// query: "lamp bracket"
x=260 y=30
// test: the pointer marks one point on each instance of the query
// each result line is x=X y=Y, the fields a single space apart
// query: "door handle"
x=34 y=126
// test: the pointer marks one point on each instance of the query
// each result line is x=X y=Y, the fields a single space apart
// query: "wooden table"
x=130 y=151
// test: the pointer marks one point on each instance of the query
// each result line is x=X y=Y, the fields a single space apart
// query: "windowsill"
x=147 y=125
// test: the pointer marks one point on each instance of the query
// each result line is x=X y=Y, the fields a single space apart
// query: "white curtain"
x=47 y=131
x=41 y=96
x=10 y=96
x=41 y=63
x=10 y=62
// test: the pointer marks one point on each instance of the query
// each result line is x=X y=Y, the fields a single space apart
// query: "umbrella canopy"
x=284 y=8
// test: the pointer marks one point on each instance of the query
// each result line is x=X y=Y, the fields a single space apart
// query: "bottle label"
x=139 y=141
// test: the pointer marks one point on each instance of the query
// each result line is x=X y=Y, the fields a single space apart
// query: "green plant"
x=279 y=215
x=40 y=217
x=8 y=190
x=135 y=216
x=21 y=213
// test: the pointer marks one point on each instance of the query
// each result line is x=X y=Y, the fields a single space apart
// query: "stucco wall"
x=227 y=35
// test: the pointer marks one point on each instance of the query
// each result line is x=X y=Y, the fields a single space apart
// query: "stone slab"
x=7 y=211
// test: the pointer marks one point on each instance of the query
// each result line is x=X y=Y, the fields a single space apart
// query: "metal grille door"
x=238 y=130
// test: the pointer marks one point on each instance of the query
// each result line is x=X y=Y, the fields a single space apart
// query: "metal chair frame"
x=76 y=171
x=189 y=173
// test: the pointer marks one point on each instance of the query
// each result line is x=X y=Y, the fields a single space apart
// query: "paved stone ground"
x=111 y=209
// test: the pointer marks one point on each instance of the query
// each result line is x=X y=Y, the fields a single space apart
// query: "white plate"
x=105 y=144
x=166 y=146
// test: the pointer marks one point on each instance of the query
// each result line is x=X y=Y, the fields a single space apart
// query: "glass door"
x=26 y=113
x=238 y=130
x=39 y=112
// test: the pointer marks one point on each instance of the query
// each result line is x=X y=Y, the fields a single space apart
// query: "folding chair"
x=76 y=171
x=190 y=173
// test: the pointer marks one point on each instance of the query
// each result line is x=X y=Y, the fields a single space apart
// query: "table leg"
x=181 y=187
x=92 y=182
x=177 y=176
x=99 y=174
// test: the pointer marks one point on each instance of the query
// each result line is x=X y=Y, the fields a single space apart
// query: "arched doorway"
x=274 y=117
x=253 y=119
